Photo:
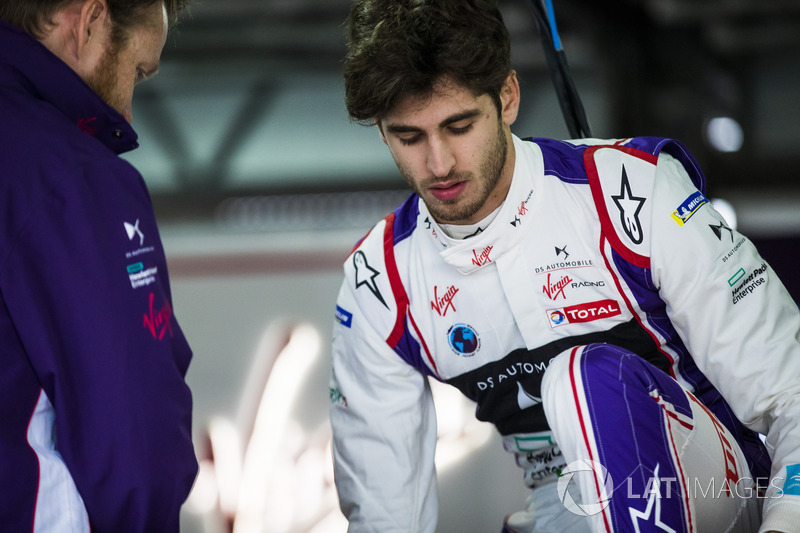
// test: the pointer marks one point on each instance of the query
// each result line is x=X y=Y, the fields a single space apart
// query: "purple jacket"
x=95 y=414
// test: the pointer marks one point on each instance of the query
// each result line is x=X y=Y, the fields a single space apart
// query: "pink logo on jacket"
x=158 y=322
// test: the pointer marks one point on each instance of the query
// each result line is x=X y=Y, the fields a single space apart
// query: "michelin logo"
x=343 y=317
x=688 y=208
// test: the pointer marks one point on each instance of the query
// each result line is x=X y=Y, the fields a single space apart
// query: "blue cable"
x=551 y=18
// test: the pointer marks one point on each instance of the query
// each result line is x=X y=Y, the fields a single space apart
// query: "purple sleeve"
x=86 y=284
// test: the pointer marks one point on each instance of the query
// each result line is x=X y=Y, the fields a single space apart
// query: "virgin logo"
x=444 y=303
x=85 y=125
x=480 y=260
x=159 y=321
x=522 y=209
x=554 y=290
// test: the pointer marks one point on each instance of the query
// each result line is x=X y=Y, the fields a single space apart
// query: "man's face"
x=123 y=66
x=453 y=150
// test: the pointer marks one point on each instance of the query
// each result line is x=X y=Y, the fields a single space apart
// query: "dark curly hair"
x=398 y=48
x=34 y=16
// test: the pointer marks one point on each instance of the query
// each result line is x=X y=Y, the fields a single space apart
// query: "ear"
x=380 y=132
x=509 y=98
x=92 y=24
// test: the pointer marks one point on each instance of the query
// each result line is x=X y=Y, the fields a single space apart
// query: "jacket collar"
x=42 y=74
x=512 y=222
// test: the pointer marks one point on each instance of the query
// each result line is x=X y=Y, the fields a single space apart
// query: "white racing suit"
x=607 y=267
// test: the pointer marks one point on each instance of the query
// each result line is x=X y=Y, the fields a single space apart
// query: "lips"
x=448 y=191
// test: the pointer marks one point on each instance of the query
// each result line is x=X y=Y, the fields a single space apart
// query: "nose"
x=440 y=158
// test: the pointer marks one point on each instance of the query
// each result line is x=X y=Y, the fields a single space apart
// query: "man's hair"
x=399 y=48
x=34 y=16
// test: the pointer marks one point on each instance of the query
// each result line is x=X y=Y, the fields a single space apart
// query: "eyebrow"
x=401 y=128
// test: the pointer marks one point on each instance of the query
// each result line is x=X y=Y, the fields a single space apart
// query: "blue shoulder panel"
x=564 y=160
x=405 y=218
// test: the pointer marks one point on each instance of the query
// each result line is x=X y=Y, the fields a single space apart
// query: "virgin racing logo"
x=480 y=260
x=442 y=304
x=554 y=290
x=588 y=312
x=522 y=210
x=158 y=322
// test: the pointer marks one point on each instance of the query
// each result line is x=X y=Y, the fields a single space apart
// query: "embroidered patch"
x=688 y=208
x=463 y=339
x=792 y=483
x=343 y=317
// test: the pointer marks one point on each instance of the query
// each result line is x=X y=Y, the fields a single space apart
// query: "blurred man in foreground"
x=95 y=415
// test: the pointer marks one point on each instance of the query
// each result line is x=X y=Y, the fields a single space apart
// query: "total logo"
x=587 y=312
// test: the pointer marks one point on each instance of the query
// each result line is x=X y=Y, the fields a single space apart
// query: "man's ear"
x=509 y=98
x=93 y=18
x=380 y=132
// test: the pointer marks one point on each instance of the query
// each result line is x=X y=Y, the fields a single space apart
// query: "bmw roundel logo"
x=463 y=340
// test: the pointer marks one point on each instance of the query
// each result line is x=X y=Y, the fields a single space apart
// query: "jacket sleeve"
x=384 y=429
x=86 y=285
x=740 y=324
